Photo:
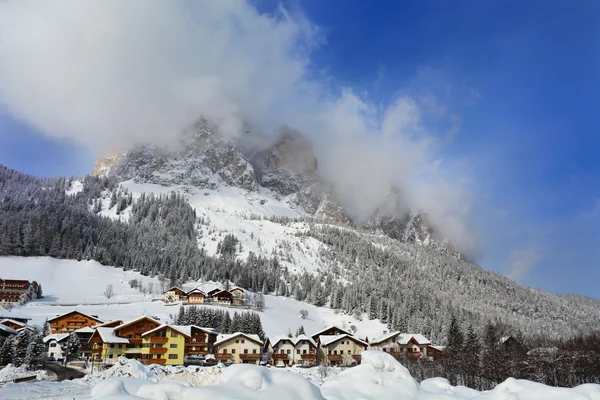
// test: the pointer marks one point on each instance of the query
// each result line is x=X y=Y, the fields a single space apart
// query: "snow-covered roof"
x=55 y=336
x=300 y=338
x=12 y=321
x=236 y=287
x=8 y=330
x=438 y=348
x=404 y=338
x=328 y=328
x=29 y=328
x=78 y=312
x=174 y=288
x=326 y=340
x=224 y=338
x=108 y=335
x=164 y=326
x=120 y=321
x=85 y=329
x=134 y=321
x=188 y=329
x=385 y=337
x=273 y=340
x=196 y=290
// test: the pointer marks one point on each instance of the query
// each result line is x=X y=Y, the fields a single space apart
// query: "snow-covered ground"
x=379 y=377
x=80 y=285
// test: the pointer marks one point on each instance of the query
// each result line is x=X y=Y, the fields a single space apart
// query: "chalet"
x=222 y=297
x=55 y=345
x=174 y=294
x=341 y=349
x=71 y=321
x=107 y=346
x=401 y=344
x=164 y=344
x=239 y=348
x=237 y=294
x=198 y=341
x=16 y=318
x=283 y=350
x=125 y=339
x=17 y=291
x=12 y=324
x=435 y=351
x=196 y=296
x=331 y=330
x=211 y=293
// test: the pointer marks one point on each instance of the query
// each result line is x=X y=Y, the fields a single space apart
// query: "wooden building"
x=196 y=296
x=17 y=291
x=174 y=294
x=71 y=321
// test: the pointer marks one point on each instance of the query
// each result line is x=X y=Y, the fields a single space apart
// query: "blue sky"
x=522 y=78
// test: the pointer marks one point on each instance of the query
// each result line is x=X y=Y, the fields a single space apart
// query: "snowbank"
x=10 y=372
x=379 y=377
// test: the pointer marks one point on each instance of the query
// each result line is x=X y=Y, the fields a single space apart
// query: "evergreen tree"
x=73 y=347
x=7 y=352
x=23 y=339
x=36 y=351
x=46 y=328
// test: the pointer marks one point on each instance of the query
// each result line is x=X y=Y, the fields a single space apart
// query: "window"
x=52 y=344
x=281 y=351
x=173 y=356
x=110 y=355
x=349 y=351
x=224 y=351
x=253 y=351
x=245 y=351
x=174 y=334
x=335 y=352
x=112 y=346
x=232 y=351
x=243 y=341
x=298 y=351
x=289 y=351
x=304 y=351
x=237 y=340
x=173 y=345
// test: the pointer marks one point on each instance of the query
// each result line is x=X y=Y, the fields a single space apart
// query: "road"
x=62 y=372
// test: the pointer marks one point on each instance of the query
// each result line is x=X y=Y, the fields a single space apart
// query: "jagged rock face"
x=320 y=201
x=204 y=160
x=287 y=166
x=106 y=162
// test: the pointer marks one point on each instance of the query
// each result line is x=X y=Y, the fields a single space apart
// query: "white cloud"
x=521 y=261
x=112 y=73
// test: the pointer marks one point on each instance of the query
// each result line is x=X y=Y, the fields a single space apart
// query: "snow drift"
x=379 y=377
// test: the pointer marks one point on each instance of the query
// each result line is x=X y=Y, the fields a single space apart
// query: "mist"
x=110 y=73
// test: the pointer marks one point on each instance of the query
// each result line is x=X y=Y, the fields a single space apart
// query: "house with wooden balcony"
x=341 y=350
x=283 y=351
x=133 y=331
x=71 y=321
x=164 y=345
x=413 y=345
x=239 y=347
x=198 y=341
x=11 y=323
x=196 y=296
x=223 y=297
x=237 y=294
x=174 y=294
x=107 y=346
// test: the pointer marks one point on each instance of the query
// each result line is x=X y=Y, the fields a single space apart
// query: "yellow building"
x=164 y=345
x=106 y=346
x=239 y=348
x=341 y=349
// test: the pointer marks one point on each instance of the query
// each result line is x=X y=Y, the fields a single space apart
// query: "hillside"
x=263 y=241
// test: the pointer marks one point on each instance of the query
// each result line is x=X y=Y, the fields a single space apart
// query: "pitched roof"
x=8 y=330
x=225 y=338
x=300 y=338
x=118 y=321
x=188 y=329
x=404 y=338
x=174 y=288
x=273 y=340
x=384 y=337
x=85 y=329
x=108 y=335
x=136 y=320
x=12 y=321
x=164 y=326
x=328 y=328
x=78 y=312
x=326 y=340
x=195 y=290
x=55 y=336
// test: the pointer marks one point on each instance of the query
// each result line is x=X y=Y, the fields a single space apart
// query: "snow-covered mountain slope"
x=80 y=285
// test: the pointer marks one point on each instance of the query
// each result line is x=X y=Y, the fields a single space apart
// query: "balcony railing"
x=224 y=356
x=334 y=357
x=158 y=350
x=277 y=356
x=159 y=339
x=250 y=356
x=148 y=361
x=357 y=357
x=97 y=351
x=135 y=340
x=308 y=356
